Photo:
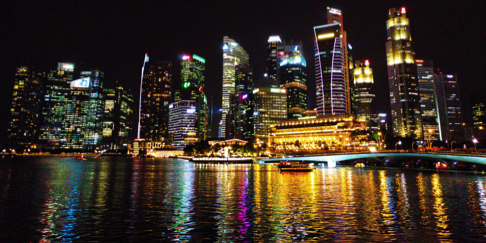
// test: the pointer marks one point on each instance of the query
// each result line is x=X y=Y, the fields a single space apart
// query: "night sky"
x=114 y=36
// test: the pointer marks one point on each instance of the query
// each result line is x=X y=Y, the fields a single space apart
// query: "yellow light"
x=325 y=36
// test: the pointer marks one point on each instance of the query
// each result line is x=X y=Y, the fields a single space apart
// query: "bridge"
x=333 y=159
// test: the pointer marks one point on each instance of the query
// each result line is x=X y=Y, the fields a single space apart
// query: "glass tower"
x=449 y=105
x=402 y=77
x=428 y=99
x=182 y=123
x=329 y=69
x=269 y=110
x=293 y=77
x=25 y=113
x=233 y=54
x=364 y=91
x=156 y=96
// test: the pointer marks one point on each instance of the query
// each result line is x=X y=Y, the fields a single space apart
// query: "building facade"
x=182 y=123
x=156 y=96
x=26 y=107
x=449 y=106
x=332 y=132
x=364 y=91
x=329 y=69
x=428 y=100
x=293 y=77
x=270 y=109
x=233 y=54
x=402 y=77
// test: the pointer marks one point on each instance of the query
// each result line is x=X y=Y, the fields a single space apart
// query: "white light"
x=335 y=11
x=191 y=111
x=274 y=38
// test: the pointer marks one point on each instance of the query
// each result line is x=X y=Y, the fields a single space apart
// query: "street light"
x=475 y=141
x=399 y=143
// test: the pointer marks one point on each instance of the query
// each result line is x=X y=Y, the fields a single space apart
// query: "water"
x=145 y=200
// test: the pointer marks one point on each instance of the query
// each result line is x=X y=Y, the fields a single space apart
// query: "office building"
x=274 y=43
x=156 y=96
x=364 y=92
x=329 y=70
x=293 y=77
x=402 y=77
x=479 y=120
x=242 y=106
x=428 y=100
x=56 y=90
x=25 y=112
x=182 y=123
x=233 y=54
x=449 y=105
x=270 y=109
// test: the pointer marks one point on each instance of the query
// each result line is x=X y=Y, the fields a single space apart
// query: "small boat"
x=61 y=156
x=294 y=166
x=98 y=156
x=81 y=157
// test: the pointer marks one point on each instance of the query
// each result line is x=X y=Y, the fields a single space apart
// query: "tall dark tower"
x=272 y=64
x=329 y=70
x=156 y=96
x=402 y=77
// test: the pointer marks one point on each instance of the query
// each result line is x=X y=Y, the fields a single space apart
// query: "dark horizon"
x=115 y=37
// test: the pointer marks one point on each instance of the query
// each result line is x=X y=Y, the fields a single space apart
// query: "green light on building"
x=194 y=56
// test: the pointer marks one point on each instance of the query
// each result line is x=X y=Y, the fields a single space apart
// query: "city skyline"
x=363 y=28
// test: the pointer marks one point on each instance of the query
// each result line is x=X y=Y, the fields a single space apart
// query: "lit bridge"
x=333 y=159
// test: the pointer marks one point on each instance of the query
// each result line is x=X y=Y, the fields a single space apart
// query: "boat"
x=81 y=157
x=98 y=156
x=294 y=166
x=229 y=160
x=61 y=156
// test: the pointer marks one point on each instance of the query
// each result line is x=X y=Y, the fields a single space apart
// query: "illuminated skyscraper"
x=182 y=123
x=364 y=91
x=449 y=105
x=269 y=110
x=428 y=99
x=293 y=77
x=117 y=120
x=156 y=96
x=233 y=54
x=242 y=107
x=25 y=113
x=335 y=16
x=329 y=70
x=402 y=77
x=274 y=43
x=55 y=107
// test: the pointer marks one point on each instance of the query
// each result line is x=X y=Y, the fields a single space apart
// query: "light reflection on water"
x=118 y=199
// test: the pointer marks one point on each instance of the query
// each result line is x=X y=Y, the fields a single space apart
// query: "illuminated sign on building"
x=325 y=36
x=335 y=11
x=274 y=38
x=196 y=57
x=66 y=66
x=80 y=83
x=191 y=111
x=450 y=76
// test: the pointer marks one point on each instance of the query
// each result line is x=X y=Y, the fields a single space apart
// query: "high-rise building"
x=117 y=120
x=156 y=96
x=479 y=120
x=55 y=107
x=336 y=16
x=449 y=106
x=364 y=92
x=270 y=109
x=233 y=54
x=25 y=113
x=274 y=43
x=293 y=77
x=330 y=69
x=428 y=99
x=402 y=77
x=243 y=104
x=182 y=123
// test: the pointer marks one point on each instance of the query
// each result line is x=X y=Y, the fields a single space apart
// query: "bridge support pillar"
x=331 y=164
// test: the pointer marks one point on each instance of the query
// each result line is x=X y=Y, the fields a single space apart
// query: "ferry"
x=294 y=166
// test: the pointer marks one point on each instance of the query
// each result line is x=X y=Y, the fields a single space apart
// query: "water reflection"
x=117 y=199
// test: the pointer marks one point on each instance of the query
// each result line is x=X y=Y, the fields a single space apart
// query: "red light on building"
x=282 y=53
x=367 y=63
x=404 y=10
x=419 y=61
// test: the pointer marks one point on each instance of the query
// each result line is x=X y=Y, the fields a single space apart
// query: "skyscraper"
x=329 y=69
x=156 y=96
x=402 y=77
x=25 y=113
x=182 y=123
x=428 y=99
x=293 y=77
x=449 y=105
x=55 y=107
x=336 y=16
x=243 y=108
x=233 y=54
x=269 y=110
x=117 y=120
x=364 y=91
x=274 y=43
